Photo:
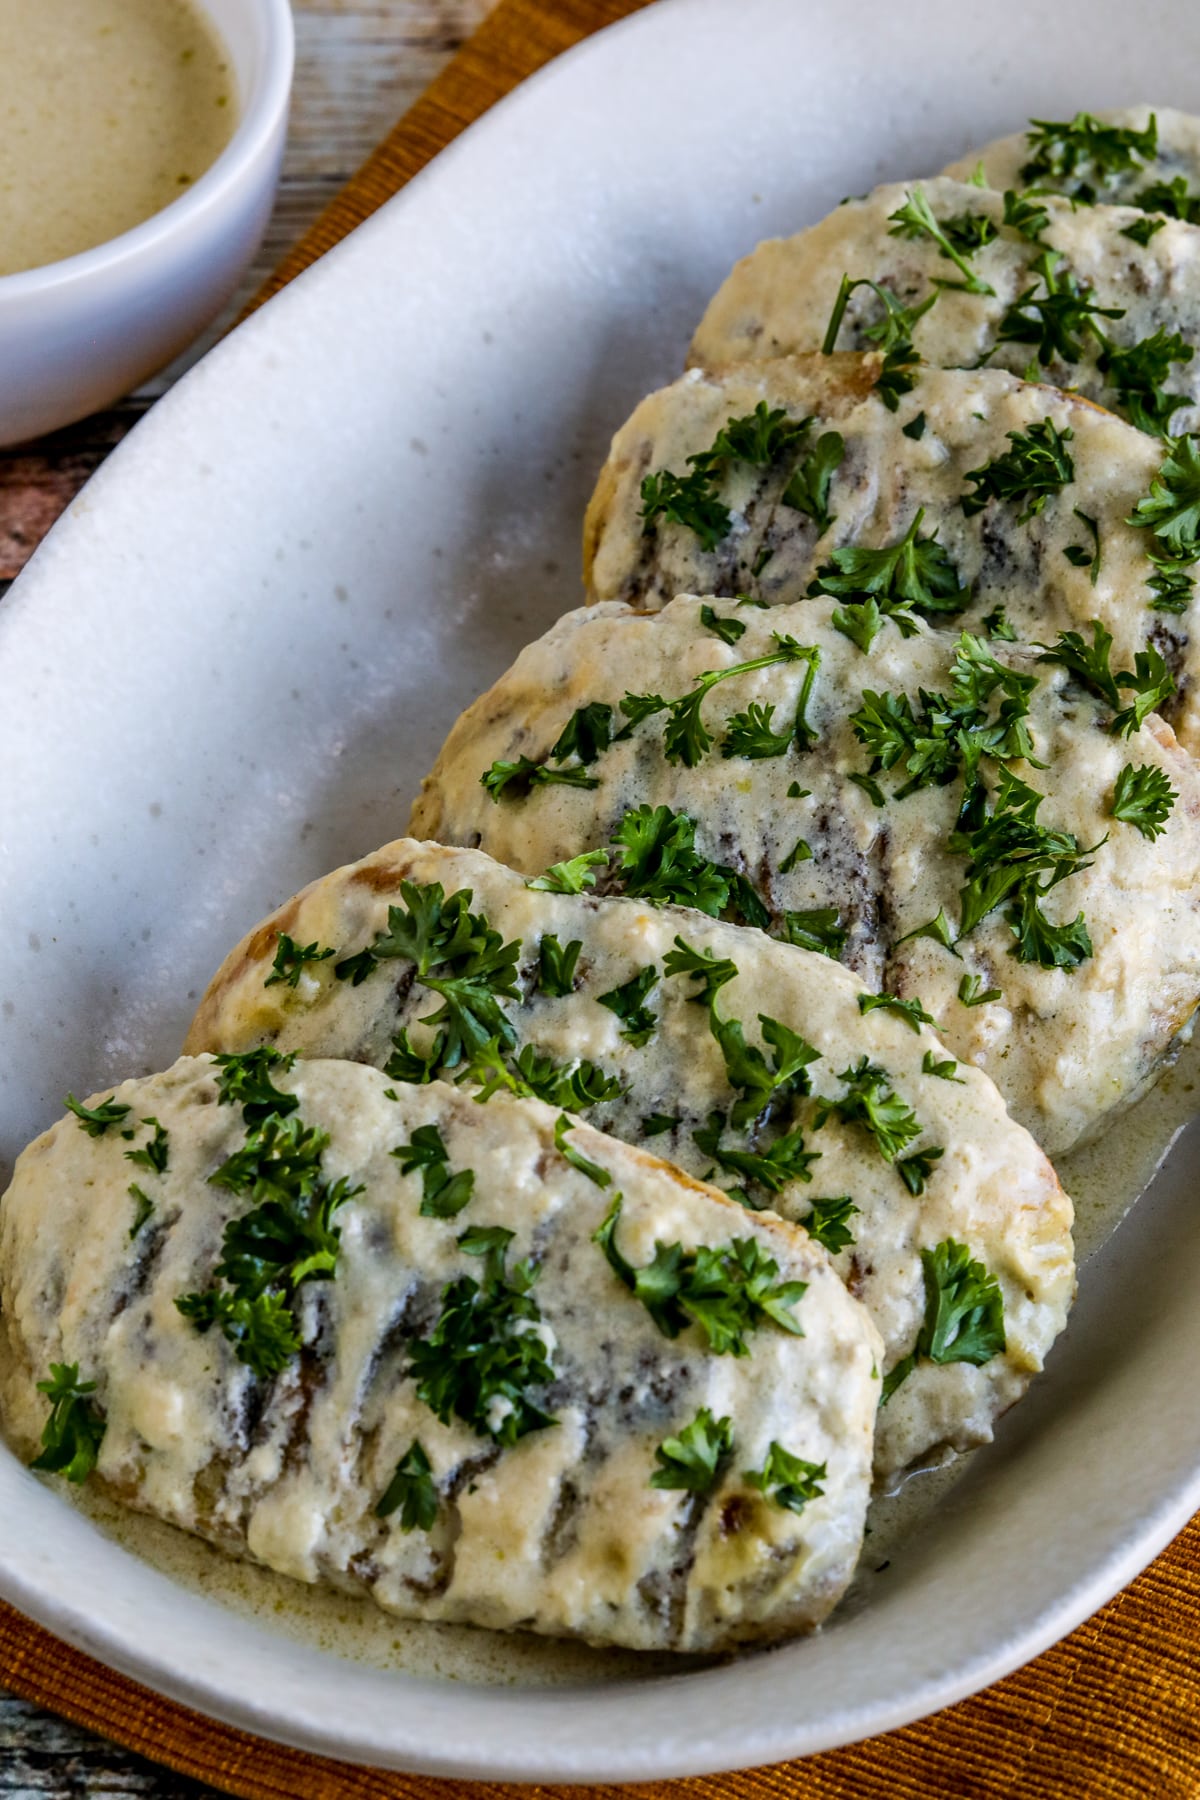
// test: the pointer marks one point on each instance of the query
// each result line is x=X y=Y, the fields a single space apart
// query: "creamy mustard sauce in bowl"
x=109 y=110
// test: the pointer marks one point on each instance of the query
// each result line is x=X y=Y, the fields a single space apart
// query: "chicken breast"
x=603 y=1019
x=1017 y=497
x=1129 y=343
x=963 y=792
x=1146 y=156
x=445 y=1395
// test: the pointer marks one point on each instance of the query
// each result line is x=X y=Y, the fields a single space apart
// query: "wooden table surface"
x=359 y=65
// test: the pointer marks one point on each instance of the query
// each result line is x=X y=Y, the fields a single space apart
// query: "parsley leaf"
x=1138 y=373
x=517 y=780
x=1143 y=797
x=1172 y=583
x=144 y=1208
x=1057 y=321
x=556 y=965
x=915 y=1170
x=573 y=876
x=911 y=1011
x=691 y=1460
x=586 y=733
x=964 y=1308
x=485 y=1352
x=808 y=487
x=686 y=738
x=1171 y=197
x=1026 y=216
x=762 y=437
x=709 y=971
x=727 y=1291
x=750 y=735
x=892 y=334
x=747 y=1069
x=1142 y=230
x=658 y=861
x=406 y=1063
x=1075 y=156
x=817 y=928
x=575 y=1157
x=784 y=1160
x=788 y=1481
x=1038 y=465
x=259 y=1327
x=943 y=1070
x=996 y=624
x=800 y=852
x=1171 y=510
x=915 y=220
x=825 y=1222
x=292 y=958
x=729 y=630
x=1079 y=556
x=939 y=929
x=154 y=1155
x=74 y=1432
x=443 y=1195
x=412 y=1491
x=245 y=1081
x=913 y=575
x=969 y=991
x=869 y=1101
x=628 y=1002
x=1151 y=681
x=688 y=501
x=95 y=1120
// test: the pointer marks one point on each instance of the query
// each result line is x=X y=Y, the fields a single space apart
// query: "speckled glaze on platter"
x=228 y=667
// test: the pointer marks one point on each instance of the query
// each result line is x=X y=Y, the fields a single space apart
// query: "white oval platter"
x=232 y=660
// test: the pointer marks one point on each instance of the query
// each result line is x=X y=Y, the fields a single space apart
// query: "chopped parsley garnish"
x=1026 y=216
x=1173 y=583
x=861 y=623
x=1144 y=798
x=914 y=575
x=292 y=958
x=412 y=1491
x=915 y=428
x=915 y=220
x=575 y=1157
x=691 y=1460
x=800 y=852
x=407 y=1063
x=911 y=1011
x=1171 y=510
x=458 y=957
x=686 y=738
x=654 y=1124
x=938 y=928
x=74 y=1432
x=485 y=1353
x=245 y=1081
x=1150 y=681
x=915 y=1170
x=869 y=1101
x=808 y=487
x=892 y=334
x=818 y=928
x=1058 y=320
x=443 y=1195
x=1008 y=852
x=1138 y=373
x=1170 y=197
x=945 y=1071
x=556 y=965
x=586 y=733
x=259 y=1327
x=729 y=630
x=628 y=1002
x=1079 y=555
x=572 y=876
x=787 y=1481
x=1142 y=230
x=1038 y=465
x=747 y=1069
x=964 y=1314
x=657 y=861
x=972 y=992
x=95 y=1120
x=761 y=438
x=727 y=1291
x=751 y=735
x=288 y=1237
x=154 y=1155
x=572 y=1087
x=517 y=780
x=825 y=1222
x=1081 y=156
x=710 y=972
x=997 y=625
x=143 y=1205
x=785 y=1159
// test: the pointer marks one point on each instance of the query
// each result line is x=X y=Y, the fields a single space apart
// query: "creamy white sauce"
x=1105 y=1179
x=109 y=110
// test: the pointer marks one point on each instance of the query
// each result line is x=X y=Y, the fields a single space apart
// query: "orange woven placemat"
x=1111 y=1713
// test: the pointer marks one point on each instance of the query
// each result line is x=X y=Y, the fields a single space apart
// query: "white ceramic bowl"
x=77 y=334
